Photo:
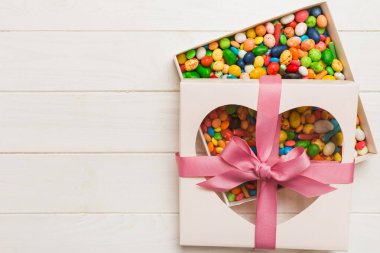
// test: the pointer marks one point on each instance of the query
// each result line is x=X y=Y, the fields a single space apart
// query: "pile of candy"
x=314 y=129
x=360 y=146
x=296 y=46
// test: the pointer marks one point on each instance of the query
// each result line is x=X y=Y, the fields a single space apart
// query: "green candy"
x=283 y=39
x=230 y=197
x=260 y=50
x=230 y=109
x=208 y=53
x=218 y=136
x=320 y=30
x=204 y=72
x=315 y=54
x=317 y=67
x=306 y=61
x=282 y=69
x=332 y=48
x=313 y=150
x=229 y=57
x=327 y=56
x=224 y=43
x=191 y=54
x=190 y=74
x=290 y=135
x=330 y=70
x=311 y=21
x=302 y=143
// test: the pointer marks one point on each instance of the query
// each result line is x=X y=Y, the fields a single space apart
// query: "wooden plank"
x=168 y=14
x=103 y=61
x=131 y=233
x=127 y=183
x=102 y=122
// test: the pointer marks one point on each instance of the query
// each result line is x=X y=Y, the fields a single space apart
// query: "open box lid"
x=333 y=33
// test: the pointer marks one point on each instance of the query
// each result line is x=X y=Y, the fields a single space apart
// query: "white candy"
x=363 y=151
x=329 y=149
x=287 y=19
x=248 y=68
x=240 y=37
x=323 y=126
x=201 y=52
x=359 y=134
x=339 y=76
x=303 y=71
x=301 y=29
x=269 y=27
x=241 y=54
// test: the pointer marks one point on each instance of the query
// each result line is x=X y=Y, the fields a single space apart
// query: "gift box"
x=208 y=218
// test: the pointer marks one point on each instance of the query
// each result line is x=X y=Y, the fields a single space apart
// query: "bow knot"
x=263 y=171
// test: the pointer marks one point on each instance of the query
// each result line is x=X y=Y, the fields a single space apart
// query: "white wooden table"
x=89 y=112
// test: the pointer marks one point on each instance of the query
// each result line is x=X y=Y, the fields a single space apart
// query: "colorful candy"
x=300 y=37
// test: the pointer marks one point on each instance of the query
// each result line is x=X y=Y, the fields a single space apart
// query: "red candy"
x=292 y=24
x=360 y=145
x=273 y=68
x=291 y=68
x=301 y=16
x=277 y=33
x=240 y=196
x=206 y=61
x=183 y=68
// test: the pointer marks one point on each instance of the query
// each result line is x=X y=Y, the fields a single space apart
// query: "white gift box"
x=318 y=223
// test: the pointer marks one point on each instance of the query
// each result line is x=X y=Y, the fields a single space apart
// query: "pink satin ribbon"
x=238 y=164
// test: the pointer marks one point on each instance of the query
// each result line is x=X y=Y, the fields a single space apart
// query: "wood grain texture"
x=168 y=14
x=117 y=61
x=102 y=122
x=98 y=233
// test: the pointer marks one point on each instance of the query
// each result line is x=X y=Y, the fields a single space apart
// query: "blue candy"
x=314 y=35
x=234 y=50
x=287 y=150
x=274 y=59
x=315 y=11
x=252 y=192
x=304 y=37
x=240 y=63
x=249 y=57
x=211 y=131
x=254 y=150
x=277 y=50
x=231 y=77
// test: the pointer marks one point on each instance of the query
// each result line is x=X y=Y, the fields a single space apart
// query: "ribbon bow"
x=238 y=164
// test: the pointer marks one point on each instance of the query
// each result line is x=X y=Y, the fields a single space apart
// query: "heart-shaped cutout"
x=309 y=127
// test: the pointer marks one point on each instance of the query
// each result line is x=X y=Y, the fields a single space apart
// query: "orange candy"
x=236 y=190
x=249 y=44
x=294 y=52
x=223 y=116
x=310 y=74
x=207 y=137
x=216 y=123
x=210 y=146
x=225 y=124
x=260 y=30
x=214 y=45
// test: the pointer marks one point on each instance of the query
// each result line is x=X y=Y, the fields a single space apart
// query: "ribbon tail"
x=266 y=215
x=226 y=181
x=307 y=187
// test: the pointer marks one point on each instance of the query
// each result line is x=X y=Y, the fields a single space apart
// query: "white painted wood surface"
x=88 y=119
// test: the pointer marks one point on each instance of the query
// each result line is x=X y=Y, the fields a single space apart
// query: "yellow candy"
x=302 y=109
x=214 y=141
x=191 y=64
x=251 y=33
x=257 y=72
x=283 y=136
x=218 y=129
x=337 y=65
x=328 y=77
x=259 y=40
x=308 y=128
x=337 y=157
x=219 y=150
x=259 y=62
x=338 y=139
x=181 y=58
x=294 y=119
x=286 y=57
x=234 y=70
x=218 y=65
x=217 y=55
x=226 y=67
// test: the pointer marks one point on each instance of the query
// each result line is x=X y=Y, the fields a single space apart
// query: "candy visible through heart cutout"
x=311 y=128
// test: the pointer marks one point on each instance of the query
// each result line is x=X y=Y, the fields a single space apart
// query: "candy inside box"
x=317 y=114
